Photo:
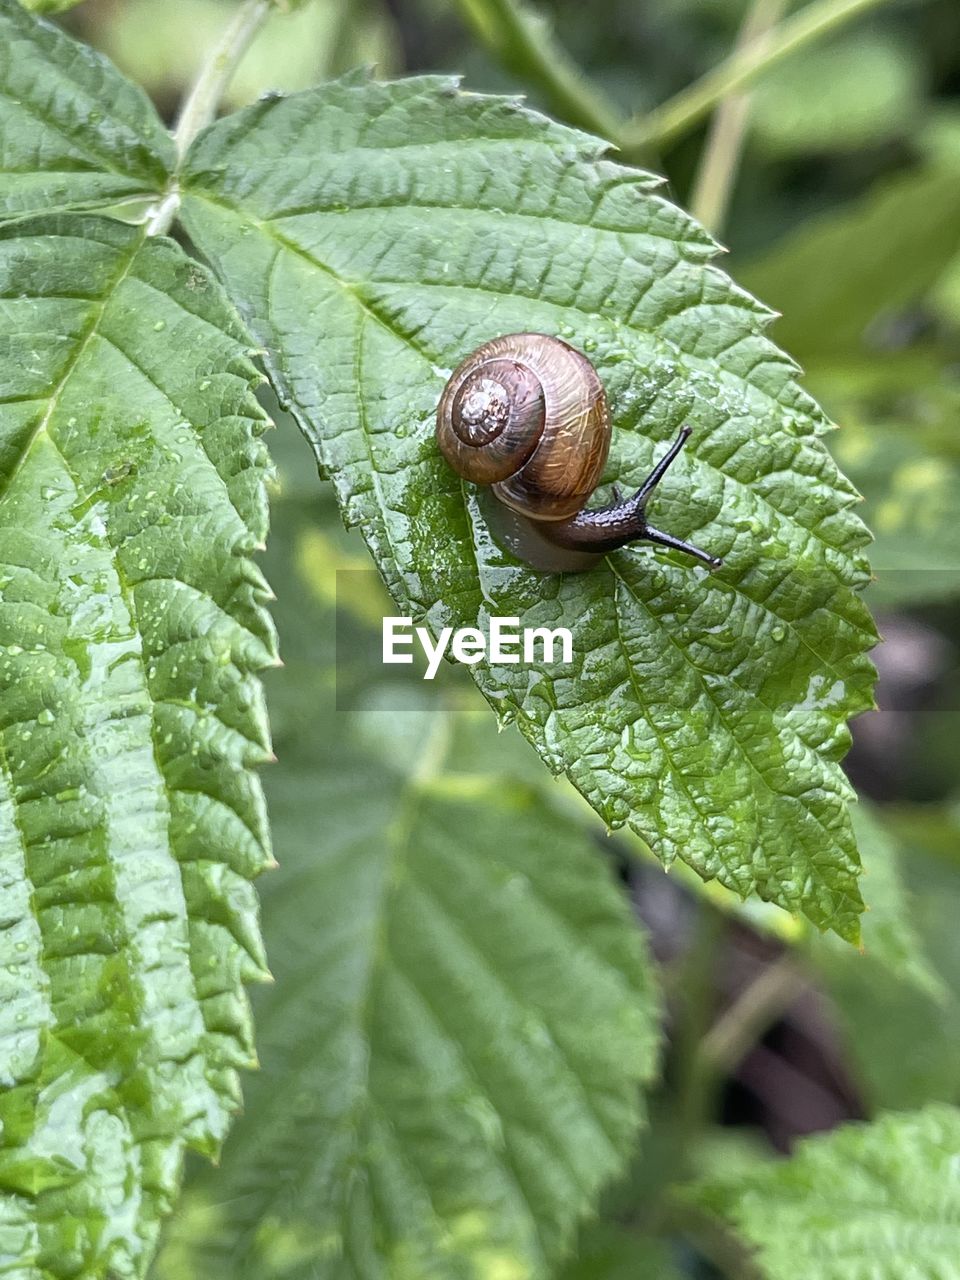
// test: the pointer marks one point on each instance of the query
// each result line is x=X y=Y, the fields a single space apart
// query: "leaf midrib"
x=482 y=211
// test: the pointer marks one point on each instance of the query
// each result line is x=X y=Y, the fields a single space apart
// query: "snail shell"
x=527 y=414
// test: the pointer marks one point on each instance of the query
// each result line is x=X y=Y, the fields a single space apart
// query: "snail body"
x=527 y=414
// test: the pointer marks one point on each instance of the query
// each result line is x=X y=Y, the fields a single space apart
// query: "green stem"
x=716 y=1242
x=720 y=161
x=708 y=1050
x=755 y=1009
x=522 y=42
x=694 y=1094
x=201 y=102
x=740 y=69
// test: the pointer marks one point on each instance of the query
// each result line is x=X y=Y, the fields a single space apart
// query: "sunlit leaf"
x=879 y=1200
x=131 y=626
x=373 y=235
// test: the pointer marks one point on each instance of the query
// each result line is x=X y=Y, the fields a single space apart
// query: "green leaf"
x=49 y=6
x=462 y=1016
x=375 y=234
x=892 y=948
x=608 y=1252
x=74 y=133
x=903 y=1036
x=879 y=1200
x=131 y=623
x=831 y=279
x=891 y=938
x=913 y=505
x=881 y=374
x=867 y=92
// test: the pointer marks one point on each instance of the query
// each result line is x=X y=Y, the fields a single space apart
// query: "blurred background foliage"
x=844 y=215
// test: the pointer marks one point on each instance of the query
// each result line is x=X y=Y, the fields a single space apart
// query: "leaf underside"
x=372 y=235
x=131 y=625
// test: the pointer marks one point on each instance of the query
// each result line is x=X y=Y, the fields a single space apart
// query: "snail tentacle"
x=609 y=528
x=678 y=544
x=660 y=470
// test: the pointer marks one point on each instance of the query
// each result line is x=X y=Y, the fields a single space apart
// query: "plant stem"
x=716 y=1242
x=728 y=128
x=694 y=1095
x=707 y=1053
x=759 y=1005
x=740 y=69
x=201 y=102
x=523 y=43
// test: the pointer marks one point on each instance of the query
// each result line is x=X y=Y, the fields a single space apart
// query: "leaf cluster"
x=465 y=1016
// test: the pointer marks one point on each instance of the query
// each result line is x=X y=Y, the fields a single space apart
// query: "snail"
x=527 y=415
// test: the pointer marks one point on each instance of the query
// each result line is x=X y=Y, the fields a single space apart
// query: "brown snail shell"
x=527 y=414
